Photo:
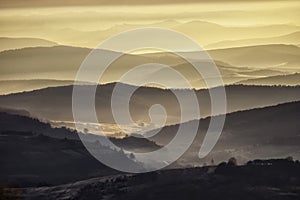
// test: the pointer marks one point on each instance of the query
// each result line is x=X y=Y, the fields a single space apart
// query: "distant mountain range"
x=289 y=79
x=193 y=29
x=7 y=43
x=273 y=56
x=235 y=64
x=15 y=86
x=291 y=38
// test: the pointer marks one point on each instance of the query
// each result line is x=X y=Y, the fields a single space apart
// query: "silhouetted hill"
x=135 y=144
x=32 y=152
x=56 y=103
x=11 y=121
x=31 y=159
x=267 y=180
x=15 y=111
x=15 y=122
x=257 y=133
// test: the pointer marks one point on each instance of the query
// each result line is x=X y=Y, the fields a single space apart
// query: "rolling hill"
x=257 y=179
x=55 y=104
x=62 y=63
x=269 y=132
x=290 y=79
x=216 y=33
x=25 y=123
x=292 y=38
x=15 y=86
x=34 y=153
x=7 y=43
x=275 y=56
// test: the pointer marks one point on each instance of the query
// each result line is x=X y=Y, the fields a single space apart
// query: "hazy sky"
x=42 y=3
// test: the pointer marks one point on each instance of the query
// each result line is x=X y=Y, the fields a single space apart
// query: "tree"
x=131 y=156
x=290 y=158
x=232 y=161
x=212 y=162
x=86 y=130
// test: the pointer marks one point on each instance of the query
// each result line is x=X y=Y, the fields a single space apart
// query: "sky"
x=56 y=3
x=67 y=23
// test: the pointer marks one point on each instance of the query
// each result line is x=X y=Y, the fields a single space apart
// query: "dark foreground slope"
x=34 y=153
x=29 y=159
x=267 y=179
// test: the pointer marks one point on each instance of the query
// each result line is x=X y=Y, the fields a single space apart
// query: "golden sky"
x=56 y=3
x=87 y=26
